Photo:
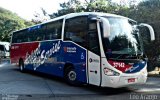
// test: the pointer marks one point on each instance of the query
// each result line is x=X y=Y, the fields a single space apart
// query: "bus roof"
x=83 y=14
x=67 y=16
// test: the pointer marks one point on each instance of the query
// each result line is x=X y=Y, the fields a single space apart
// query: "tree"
x=41 y=17
x=73 y=6
x=10 y=22
x=148 y=12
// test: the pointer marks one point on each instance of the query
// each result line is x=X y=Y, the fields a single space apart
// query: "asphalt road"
x=36 y=86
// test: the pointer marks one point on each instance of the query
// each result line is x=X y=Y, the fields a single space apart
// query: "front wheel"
x=71 y=76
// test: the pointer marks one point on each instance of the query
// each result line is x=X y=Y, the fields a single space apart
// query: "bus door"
x=93 y=54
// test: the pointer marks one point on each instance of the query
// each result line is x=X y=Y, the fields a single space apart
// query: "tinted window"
x=36 y=33
x=76 y=30
x=42 y=32
x=2 y=48
x=14 y=37
x=53 y=30
x=93 y=41
x=19 y=36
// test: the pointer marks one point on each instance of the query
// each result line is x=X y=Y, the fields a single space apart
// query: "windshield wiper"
x=129 y=57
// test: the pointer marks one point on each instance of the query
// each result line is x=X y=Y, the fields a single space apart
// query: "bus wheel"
x=71 y=76
x=21 y=65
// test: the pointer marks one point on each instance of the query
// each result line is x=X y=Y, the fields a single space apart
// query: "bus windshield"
x=124 y=38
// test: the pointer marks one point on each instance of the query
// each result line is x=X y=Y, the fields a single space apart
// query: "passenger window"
x=19 y=36
x=35 y=33
x=54 y=30
x=76 y=30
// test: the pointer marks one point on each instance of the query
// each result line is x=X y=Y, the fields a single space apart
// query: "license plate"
x=131 y=80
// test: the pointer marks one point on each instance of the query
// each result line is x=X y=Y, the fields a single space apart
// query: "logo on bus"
x=36 y=60
x=93 y=60
x=70 y=49
x=133 y=68
x=82 y=56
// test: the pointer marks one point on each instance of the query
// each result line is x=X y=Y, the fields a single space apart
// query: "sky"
x=27 y=8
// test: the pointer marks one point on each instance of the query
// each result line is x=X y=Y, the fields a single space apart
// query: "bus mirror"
x=152 y=35
x=106 y=27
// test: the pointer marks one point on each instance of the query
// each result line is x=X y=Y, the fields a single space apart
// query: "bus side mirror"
x=150 y=30
x=106 y=27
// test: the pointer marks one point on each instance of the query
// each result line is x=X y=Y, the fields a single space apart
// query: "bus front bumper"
x=124 y=79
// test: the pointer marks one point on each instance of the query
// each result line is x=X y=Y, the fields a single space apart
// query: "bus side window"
x=53 y=30
x=19 y=36
x=14 y=37
x=36 y=33
x=93 y=40
x=76 y=30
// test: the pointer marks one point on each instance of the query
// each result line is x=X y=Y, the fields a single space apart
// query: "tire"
x=71 y=76
x=21 y=66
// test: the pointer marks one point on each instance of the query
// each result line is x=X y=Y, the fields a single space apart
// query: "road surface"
x=15 y=85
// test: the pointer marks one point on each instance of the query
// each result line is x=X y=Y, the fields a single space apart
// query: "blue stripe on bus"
x=58 y=53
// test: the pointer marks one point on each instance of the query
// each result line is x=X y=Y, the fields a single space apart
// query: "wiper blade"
x=128 y=56
x=119 y=56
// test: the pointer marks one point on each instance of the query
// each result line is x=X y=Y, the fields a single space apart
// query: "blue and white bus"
x=95 y=48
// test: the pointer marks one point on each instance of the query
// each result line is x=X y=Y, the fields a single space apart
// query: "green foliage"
x=10 y=22
x=146 y=11
x=73 y=6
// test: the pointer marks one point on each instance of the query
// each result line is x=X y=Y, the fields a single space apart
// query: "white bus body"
x=89 y=47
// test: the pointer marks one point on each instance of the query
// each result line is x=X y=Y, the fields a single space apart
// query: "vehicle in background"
x=4 y=49
x=95 y=48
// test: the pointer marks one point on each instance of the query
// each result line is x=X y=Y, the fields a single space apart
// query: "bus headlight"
x=110 y=72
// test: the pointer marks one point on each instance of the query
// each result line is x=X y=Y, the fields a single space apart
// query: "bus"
x=94 y=48
x=4 y=49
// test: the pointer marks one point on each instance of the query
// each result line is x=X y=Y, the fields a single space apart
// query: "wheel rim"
x=72 y=75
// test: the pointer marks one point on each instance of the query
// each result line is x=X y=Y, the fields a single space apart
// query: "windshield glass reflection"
x=124 y=37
